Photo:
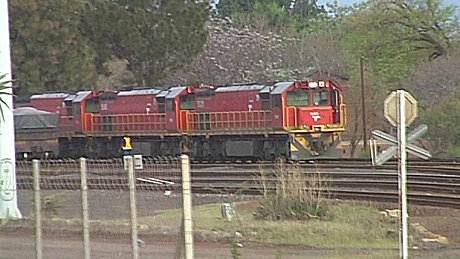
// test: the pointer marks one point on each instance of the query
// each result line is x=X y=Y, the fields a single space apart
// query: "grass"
x=351 y=226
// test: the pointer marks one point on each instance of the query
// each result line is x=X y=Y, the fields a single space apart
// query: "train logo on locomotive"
x=315 y=115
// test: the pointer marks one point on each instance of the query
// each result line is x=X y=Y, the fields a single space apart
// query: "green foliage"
x=3 y=91
x=299 y=195
x=443 y=122
x=277 y=207
x=65 y=45
x=395 y=36
x=279 y=15
x=152 y=37
x=49 y=52
x=235 y=249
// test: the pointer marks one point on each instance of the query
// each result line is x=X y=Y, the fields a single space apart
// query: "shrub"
x=296 y=194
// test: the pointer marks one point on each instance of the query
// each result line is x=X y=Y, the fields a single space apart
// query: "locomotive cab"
x=315 y=117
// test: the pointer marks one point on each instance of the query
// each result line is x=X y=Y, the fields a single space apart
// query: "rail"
x=437 y=185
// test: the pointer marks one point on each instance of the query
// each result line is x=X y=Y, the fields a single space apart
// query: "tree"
x=385 y=33
x=152 y=36
x=279 y=15
x=437 y=77
x=394 y=36
x=49 y=52
x=426 y=24
x=444 y=127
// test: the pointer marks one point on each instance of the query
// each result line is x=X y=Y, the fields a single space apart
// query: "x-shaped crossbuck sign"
x=411 y=148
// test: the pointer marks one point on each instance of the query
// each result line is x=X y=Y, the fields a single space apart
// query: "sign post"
x=8 y=194
x=400 y=108
x=403 y=173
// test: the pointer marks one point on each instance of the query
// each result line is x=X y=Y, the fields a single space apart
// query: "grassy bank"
x=349 y=225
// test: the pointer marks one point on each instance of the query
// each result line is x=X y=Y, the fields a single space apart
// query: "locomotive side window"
x=321 y=97
x=170 y=105
x=187 y=102
x=276 y=100
x=299 y=97
x=92 y=105
x=266 y=105
x=68 y=108
x=335 y=98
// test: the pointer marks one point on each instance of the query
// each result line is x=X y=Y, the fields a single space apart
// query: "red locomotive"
x=296 y=120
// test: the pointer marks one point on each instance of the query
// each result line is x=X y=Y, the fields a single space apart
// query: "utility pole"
x=8 y=198
x=363 y=103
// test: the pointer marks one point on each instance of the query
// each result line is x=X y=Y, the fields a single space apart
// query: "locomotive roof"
x=139 y=92
x=239 y=88
x=281 y=87
x=81 y=95
x=49 y=95
x=70 y=97
x=175 y=91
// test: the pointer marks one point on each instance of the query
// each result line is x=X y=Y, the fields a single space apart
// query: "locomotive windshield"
x=298 y=97
x=321 y=97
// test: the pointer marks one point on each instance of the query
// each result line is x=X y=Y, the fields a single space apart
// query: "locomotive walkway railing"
x=228 y=120
x=128 y=122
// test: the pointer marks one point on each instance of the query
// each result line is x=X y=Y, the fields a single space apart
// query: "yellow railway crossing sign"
x=391 y=107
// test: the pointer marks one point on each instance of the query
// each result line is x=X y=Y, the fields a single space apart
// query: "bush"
x=297 y=194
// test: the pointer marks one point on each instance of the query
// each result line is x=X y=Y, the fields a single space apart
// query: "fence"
x=147 y=203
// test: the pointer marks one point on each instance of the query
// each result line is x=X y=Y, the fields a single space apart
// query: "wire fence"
x=97 y=197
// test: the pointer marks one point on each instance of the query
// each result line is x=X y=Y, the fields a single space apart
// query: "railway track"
x=435 y=183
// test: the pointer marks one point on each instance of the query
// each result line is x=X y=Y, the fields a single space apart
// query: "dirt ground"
x=441 y=221
x=19 y=243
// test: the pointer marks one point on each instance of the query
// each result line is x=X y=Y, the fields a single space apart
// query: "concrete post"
x=84 y=209
x=8 y=195
x=38 y=208
x=187 y=207
x=132 y=206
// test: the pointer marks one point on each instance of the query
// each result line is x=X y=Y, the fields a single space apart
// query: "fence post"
x=84 y=209
x=132 y=206
x=187 y=207
x=37 y=206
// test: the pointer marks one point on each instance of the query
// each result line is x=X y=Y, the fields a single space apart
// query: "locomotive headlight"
x=317 y=129
x=321 y=83
x=312 y=84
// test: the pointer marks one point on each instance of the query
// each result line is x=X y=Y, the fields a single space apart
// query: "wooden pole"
x=363 y=103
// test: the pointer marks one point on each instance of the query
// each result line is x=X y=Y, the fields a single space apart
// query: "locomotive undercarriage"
x=315 y=145
x=241 y=147
x=255 y=147
x=110 y=147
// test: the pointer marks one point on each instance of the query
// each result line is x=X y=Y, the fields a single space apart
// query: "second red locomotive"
x=295 y=120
